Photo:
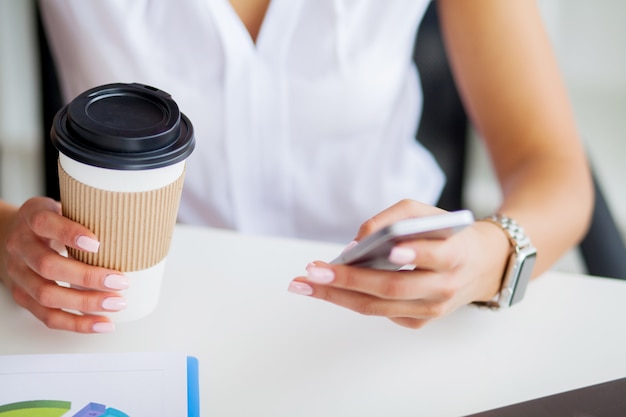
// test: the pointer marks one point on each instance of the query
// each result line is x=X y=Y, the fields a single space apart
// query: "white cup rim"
x=121 y=180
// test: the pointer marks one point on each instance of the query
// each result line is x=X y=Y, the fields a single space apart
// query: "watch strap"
x=519 y=265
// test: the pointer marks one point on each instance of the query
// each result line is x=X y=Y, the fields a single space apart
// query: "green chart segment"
x=39 y=408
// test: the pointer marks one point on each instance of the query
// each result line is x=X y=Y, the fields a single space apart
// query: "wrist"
x=8 y=215
x=495 y=249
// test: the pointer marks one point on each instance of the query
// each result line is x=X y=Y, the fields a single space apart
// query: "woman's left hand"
x=449 y=272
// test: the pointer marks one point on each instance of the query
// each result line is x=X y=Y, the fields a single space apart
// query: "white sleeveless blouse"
x=307 y=133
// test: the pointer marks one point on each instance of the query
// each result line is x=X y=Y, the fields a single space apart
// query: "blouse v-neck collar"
x=274 y=34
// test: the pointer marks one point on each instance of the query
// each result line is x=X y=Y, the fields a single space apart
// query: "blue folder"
x=193 y=392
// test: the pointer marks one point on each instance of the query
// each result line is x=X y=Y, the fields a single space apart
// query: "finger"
x=389 y=285
x=51 y=295
x=48 y=263
x=43 y=217
x=420 y=310
x=63 y=320
x=401 y=210
x=409 y=322
x=431 y=254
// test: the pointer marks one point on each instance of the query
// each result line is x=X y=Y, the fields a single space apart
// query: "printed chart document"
x=99 y=385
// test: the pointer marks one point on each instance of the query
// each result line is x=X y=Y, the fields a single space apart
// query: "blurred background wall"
x=589 y=38
x=21 y=163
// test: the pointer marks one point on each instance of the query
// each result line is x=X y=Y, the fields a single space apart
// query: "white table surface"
x=266 y=352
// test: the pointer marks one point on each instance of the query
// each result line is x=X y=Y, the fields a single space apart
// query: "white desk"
x=266 y=352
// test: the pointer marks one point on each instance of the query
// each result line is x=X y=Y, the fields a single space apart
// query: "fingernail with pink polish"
x=401 y=255
x=300 y=288
x=320 y=275
x=116 y=282
x=103 y=327
x=114 y=303
x=87 y=244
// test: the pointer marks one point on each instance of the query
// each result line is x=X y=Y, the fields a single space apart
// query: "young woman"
x=305 y=114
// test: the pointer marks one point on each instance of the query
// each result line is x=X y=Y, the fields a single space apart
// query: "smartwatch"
x=519 y=265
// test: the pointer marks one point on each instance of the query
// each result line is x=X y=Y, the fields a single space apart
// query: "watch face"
x=524 y=263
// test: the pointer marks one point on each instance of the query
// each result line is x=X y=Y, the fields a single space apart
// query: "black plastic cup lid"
x=123 y=127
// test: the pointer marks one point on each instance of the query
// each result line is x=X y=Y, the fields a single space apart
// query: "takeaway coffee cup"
x=122 y=151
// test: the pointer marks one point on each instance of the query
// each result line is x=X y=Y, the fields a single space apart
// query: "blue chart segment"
x=98 y=410
x=52 y=408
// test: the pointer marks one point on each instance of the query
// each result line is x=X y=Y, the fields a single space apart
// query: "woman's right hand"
x=33 y=237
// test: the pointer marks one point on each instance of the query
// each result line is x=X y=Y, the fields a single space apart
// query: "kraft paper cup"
x=122 y=151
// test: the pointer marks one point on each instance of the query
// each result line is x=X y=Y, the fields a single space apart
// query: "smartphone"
x=373 y=251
